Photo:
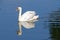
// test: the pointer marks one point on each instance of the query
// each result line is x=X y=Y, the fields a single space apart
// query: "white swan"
x=27 y=16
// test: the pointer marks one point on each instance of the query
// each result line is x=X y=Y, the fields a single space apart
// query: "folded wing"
x=27 y=15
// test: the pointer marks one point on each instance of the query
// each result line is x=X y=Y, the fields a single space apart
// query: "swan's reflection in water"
x=25 y=24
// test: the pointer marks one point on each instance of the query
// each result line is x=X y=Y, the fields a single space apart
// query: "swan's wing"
x=28 y=25
x=28 y=15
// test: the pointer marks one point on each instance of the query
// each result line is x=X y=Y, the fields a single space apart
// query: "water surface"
x=9 y=19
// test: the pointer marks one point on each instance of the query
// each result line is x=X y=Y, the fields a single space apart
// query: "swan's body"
x=27 y=16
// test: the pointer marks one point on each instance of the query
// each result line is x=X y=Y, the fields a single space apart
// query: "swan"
x=27 y=16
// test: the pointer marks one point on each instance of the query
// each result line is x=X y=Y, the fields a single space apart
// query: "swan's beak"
x=17 y=9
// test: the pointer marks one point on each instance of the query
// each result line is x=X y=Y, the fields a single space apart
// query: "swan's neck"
x=20 y=12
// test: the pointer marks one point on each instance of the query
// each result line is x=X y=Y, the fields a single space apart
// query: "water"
x=9 y=19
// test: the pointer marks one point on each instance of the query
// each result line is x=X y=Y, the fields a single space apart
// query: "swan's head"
x=19 y=8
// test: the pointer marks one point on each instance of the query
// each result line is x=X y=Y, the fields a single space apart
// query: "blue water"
x=9 y=19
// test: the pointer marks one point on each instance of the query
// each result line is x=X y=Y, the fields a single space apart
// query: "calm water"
x=9 y=19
